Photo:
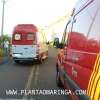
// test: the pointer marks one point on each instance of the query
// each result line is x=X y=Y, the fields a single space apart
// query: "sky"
x=38 y=12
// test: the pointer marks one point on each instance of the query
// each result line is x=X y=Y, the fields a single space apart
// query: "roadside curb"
x=4 y=60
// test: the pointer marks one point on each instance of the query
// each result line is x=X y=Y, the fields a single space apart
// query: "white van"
x=28 y=44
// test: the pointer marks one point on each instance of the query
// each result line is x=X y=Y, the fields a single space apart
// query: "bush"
x=1 y=52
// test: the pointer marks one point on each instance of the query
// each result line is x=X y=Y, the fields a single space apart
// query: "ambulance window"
x=17 y=36
x=30 y=36
x=95 y=30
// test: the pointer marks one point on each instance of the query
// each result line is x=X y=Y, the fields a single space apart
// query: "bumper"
x=31 y=59
x=26 y=58
x=21 y=57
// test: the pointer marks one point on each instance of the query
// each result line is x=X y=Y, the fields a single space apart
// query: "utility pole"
x=2 y=24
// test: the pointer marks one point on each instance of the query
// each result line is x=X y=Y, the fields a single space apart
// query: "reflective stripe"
x=92 y=77
x=93 y=90
x=97 y=91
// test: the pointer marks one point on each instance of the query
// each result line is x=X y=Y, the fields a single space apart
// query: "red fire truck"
x=28 y=43
x=78 y=60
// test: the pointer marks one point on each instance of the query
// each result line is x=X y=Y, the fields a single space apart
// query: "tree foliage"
x=4 y=38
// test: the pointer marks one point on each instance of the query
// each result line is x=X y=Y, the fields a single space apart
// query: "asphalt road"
x=29 y=81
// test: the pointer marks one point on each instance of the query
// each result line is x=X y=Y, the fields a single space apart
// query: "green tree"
x=4 y=38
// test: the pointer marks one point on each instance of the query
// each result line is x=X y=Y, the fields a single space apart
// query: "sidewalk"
x=4 y=60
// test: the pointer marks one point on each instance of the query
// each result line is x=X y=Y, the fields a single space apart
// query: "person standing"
x=6 y=47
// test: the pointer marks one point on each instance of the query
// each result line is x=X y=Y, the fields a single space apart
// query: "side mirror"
x=61 y=45
x=48 y=43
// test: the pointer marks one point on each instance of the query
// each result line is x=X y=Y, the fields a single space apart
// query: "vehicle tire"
x=58 y=80
x=16 y=61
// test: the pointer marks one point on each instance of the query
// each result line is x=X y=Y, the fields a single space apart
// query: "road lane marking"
x=36 y=76
x=33 y=75
x=35 y=79
x=28 y=84
x=30 y=78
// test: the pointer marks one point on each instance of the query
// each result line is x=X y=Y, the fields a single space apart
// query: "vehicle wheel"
x=58 y=80
x=16 y=61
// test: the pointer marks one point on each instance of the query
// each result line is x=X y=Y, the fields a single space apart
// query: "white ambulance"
x=28 y=44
